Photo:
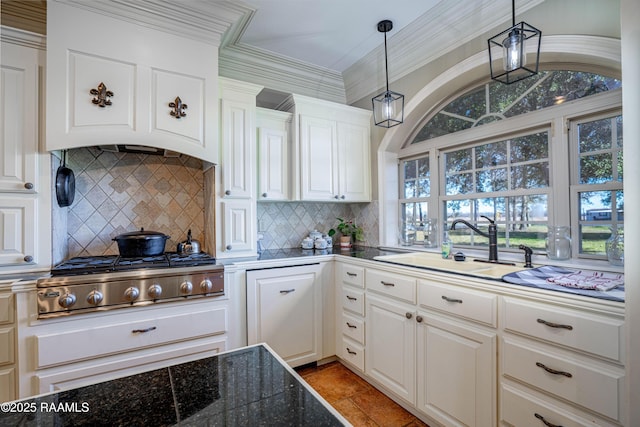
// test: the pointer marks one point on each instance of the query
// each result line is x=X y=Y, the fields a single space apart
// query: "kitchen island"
x=250 y=386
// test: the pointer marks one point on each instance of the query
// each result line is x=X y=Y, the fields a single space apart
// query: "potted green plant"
x=350 y=232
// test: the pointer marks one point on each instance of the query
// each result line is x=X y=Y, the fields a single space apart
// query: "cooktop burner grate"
x=108 y=263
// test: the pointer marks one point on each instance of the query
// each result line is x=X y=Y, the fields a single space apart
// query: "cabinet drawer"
x=394 y=285
x=6 y=345
x=521 y=409
x=353 y=275
x=353 y=353
x=474 y=305
x=67 y=347
x=6 y=308
x=594 y=334
x=353 y=300
x=353 y=328
x=585 y=382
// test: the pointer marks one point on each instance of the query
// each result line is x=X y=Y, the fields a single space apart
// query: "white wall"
x=630 y=35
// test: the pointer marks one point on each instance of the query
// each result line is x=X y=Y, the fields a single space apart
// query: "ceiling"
x=331 y=34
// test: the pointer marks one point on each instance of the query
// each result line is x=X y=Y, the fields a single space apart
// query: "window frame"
x=556 y=119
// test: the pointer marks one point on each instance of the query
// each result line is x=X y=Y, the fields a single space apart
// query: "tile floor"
x=358 y=401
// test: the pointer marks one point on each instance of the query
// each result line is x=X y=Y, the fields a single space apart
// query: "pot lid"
x=142 y=234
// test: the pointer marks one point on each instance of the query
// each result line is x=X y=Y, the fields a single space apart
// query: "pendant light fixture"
x=514 y=55
x=388 y=107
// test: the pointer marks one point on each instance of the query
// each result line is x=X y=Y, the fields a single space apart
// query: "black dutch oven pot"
x=141 y=243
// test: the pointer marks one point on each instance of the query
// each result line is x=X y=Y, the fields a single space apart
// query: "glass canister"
x=558 y=243
x=407 y=234
x=615 y=246
x=431 y=233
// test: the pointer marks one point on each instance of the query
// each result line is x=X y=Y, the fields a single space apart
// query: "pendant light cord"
x=386 y=66
x=513 y=13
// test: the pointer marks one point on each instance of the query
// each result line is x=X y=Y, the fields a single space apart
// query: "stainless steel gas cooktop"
x=86 y=284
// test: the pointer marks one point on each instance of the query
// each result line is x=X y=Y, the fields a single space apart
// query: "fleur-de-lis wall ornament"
x=102 y=95
x=178 y=108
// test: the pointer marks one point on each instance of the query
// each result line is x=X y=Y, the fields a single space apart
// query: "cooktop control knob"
x=95 y=297
x=206 y=286
x=67 y=300
x=186 y=288
x=131 y=294
x=155 y=291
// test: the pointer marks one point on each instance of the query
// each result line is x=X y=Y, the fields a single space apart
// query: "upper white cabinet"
x=19 y=113
x=274 y=132
x=110 y=81
x=25 y=195
x=332 y=151
x=236 y=198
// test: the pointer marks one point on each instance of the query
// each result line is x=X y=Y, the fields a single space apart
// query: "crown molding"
x=412 y=48
x=195 y=19
x=27 y=15
x=23 y=38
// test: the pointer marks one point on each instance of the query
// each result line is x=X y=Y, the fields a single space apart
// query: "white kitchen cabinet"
x=350 y=311
x=284 y=309
x=391 y=346
x=113 y=82
x=25 y=195
x=273 y=154
x=331 y=151
x=565 y=355
x=236 y=196
x=456 y=371
x=7 y=347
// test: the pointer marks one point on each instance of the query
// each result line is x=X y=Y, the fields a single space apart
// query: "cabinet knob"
x=228 y=192
x=409 y=315
x=419 y=319
x=336 y=197
x=228 y=247
x=28 y=258
x=28 y=185
x=342 y=197
x=264 y=194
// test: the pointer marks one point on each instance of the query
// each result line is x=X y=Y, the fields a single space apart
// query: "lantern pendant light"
x=388 y=107
x=511 y=42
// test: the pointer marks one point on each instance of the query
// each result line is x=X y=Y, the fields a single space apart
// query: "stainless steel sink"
x=436 y=262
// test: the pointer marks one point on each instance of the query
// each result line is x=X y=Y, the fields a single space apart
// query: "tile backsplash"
x=122 y=192
x=285 y=224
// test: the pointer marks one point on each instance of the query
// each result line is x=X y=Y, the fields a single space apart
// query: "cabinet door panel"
x=272 y=161
x=318 y=158
x=353 y=157
x=237 y=220
x=237 y=146
x=86 y=72
x=7 y=384
x=18 y=115
x=166 y=87
x=390 y=355
x=17 y=231
x=284 y=310
x=456 y=370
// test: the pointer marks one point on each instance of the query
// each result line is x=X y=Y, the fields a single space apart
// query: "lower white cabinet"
x=284 y=309
x=391 y=348
x=456 y=372
x=7 y=347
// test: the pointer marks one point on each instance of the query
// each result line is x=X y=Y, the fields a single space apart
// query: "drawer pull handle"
x=555 y=325
x=352 y=326
x=553 y=371
x=142 y=331
x=547 y=423
x=351 y=298
x=447 y=299
x=350 y=274
x=350 y=352
x=387 y=283
x=287 y=291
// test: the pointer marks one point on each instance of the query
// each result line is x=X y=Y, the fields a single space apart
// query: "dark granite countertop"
x=245 y=387
x=364 y=252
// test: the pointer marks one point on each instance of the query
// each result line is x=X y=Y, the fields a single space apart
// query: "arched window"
x=552 y=155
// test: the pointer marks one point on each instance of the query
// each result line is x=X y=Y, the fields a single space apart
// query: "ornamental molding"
x=23 y=38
